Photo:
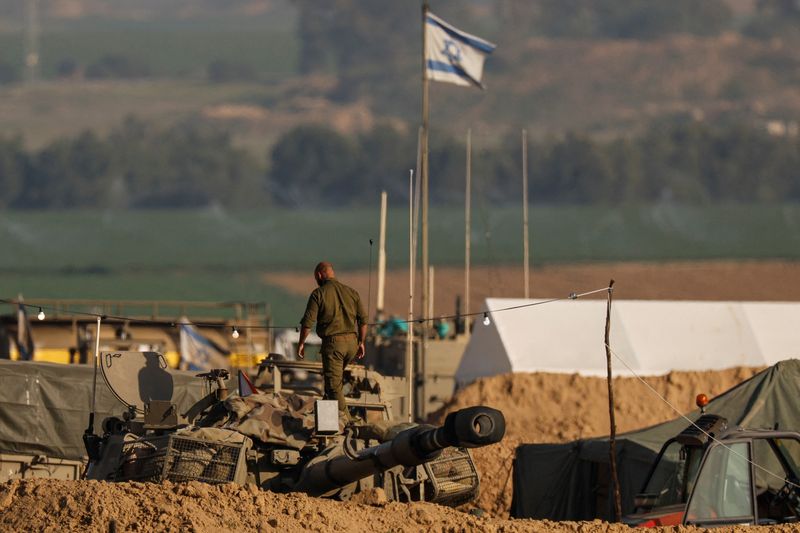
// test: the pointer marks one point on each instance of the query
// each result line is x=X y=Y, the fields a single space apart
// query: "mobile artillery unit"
x=282 y=440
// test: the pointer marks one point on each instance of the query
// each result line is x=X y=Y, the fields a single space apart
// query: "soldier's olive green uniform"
x=338 y=312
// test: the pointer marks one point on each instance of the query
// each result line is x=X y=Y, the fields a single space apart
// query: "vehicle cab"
x=713 y=475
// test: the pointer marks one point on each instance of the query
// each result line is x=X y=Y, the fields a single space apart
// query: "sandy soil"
x=707 y=280
x=49 y=505
x=538 y=408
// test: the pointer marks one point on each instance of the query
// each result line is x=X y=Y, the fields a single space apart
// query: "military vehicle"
x=282 y=440
x=714 y=475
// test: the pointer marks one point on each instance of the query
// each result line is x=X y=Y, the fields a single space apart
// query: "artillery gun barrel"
x=469 y=428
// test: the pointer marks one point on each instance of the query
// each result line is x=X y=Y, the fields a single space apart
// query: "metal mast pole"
x=467 y=231
x=526 y=269
x=410 y=337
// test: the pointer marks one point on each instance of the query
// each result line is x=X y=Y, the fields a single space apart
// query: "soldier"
x=341 y=324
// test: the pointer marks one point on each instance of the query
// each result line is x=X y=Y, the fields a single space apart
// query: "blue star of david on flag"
x=452 y=51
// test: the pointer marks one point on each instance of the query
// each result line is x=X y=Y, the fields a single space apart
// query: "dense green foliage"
x=141 y=166
x=137 y=166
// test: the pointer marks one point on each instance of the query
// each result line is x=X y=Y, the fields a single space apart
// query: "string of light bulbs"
x=236 y=329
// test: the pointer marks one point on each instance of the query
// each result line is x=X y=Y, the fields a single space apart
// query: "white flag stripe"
x=453 y=56
x=476 y=42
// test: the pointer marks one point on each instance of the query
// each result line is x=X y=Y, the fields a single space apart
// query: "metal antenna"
x=369 y=283
x=90 y=440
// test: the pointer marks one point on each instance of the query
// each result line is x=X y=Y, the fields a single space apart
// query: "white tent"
x=652 y=337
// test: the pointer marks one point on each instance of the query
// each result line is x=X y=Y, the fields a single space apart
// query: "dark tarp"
x=571 y=481
x=44 y=407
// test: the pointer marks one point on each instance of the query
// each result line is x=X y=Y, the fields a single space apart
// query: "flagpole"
x=424 y=177
x=467 y=231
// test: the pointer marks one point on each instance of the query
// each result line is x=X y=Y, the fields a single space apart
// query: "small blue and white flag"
x=452 y=55
x=199 y=352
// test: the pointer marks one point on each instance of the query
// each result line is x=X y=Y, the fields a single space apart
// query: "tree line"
x=140 y=165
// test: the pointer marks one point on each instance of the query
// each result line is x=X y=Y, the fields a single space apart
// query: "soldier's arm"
x=361 y=319
x=301 y=345
x=309 y=317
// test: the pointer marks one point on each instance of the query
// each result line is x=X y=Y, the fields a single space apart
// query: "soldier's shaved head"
x=323 y=271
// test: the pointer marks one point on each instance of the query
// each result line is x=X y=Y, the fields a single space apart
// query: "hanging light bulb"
x=235 y=333
x=40 y=316
x=486 y=320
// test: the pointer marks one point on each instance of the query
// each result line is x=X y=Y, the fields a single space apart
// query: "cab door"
x=723 y=493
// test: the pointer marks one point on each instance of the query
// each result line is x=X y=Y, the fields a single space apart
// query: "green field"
x=171 y=48
x=217 y=255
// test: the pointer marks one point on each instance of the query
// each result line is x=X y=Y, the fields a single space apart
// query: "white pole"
x=525 y=211
x=431 y=285
x=467 y=230
x=410 y=337
x=382 y=256
x=423 y=363
x=90 y=429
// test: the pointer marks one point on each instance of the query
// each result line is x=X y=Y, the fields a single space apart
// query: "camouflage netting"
x=273 y=418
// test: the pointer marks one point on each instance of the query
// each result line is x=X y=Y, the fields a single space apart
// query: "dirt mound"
x=54 y=505
x=96 y=506
x=552 y=408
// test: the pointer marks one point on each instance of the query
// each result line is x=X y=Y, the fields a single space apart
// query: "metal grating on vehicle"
x=178 y=459
x=453 y=477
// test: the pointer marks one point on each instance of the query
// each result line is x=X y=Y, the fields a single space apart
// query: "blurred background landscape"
x=184 y=149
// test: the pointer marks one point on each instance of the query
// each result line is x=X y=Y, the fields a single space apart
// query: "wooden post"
x=612 y=452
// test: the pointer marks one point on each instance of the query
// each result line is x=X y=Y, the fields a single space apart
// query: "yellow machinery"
x=67 y=334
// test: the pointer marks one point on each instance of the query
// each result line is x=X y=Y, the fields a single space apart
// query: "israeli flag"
x=452 y=55
x=198 y=352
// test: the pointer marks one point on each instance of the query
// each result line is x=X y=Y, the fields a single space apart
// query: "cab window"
x=673 y=476
x=723 y=491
